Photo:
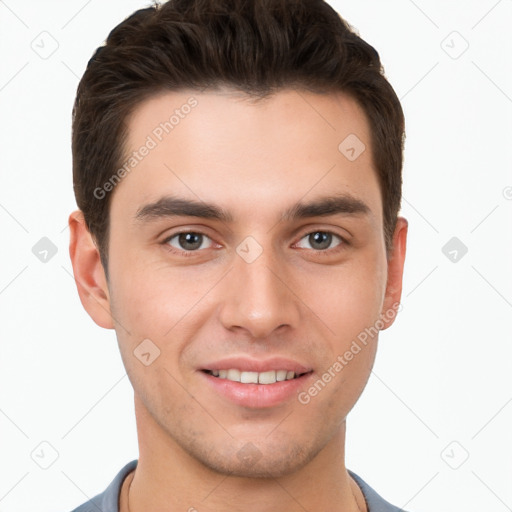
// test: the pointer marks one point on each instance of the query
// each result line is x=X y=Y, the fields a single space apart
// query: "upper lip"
x=245 y=364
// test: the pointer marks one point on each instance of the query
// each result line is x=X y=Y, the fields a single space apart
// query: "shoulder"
x=374 y=501
x=108 y=500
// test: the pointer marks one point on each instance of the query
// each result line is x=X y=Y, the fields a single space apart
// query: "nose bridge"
x=258 y=299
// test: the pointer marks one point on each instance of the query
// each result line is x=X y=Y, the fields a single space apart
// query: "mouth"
x=248 y=377
x=256 y=383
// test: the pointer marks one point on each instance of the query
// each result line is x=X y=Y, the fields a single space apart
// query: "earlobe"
x=88 y=271
x=395 y=273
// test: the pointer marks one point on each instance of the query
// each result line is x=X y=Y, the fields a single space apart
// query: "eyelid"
x=183 y=252
x=171 y=232
x=315 y=227
x=343 y=241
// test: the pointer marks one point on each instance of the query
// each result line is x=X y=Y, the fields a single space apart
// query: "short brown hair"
x=257 y=47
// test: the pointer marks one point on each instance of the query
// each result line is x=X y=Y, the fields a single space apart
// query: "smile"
x=268 y=377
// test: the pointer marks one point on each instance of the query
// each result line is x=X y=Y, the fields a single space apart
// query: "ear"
x=395 y=273
x=88 y=271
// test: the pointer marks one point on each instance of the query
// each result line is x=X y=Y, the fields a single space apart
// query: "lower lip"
x=257 y=395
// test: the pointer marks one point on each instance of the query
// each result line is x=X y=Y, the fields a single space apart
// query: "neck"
x=168 y=478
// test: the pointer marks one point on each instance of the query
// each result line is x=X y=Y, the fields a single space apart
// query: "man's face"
x=255 y=289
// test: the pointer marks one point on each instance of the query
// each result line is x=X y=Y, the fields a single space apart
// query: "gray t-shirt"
x=108 y=501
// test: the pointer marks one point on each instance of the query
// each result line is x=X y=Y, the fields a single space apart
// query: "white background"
x=443 y=372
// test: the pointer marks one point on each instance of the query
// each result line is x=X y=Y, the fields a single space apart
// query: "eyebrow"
x=171 y=206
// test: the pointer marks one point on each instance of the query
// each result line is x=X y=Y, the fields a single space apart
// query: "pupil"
x=321 y=238
x=192 y=239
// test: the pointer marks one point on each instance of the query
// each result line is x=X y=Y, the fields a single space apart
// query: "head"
x=256 y=48
x=237 y=166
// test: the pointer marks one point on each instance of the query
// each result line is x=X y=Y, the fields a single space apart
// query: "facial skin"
x=300 y=299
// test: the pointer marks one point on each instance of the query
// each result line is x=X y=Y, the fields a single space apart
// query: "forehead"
x=244 y=154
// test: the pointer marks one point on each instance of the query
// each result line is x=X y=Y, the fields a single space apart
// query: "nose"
x=258 y=297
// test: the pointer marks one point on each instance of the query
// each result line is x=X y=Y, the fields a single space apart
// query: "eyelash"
x=321 y=252
x=186 y=254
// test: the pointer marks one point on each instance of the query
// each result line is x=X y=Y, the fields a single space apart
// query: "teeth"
x=281 y=375
x=269 y=377
x=249 y=377
x=233 y=375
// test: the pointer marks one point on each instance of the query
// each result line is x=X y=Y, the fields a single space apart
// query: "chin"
x=249 y=461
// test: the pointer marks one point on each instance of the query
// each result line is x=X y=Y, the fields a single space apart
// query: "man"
x=237 y=166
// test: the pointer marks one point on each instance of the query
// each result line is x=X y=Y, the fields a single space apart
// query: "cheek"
x=348 y=299
x=152 y=299
x=161 y=304
x=351 y=310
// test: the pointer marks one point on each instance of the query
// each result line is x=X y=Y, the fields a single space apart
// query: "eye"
x=320 y=240
x=189 y=241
